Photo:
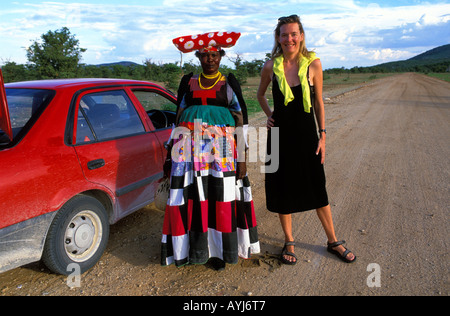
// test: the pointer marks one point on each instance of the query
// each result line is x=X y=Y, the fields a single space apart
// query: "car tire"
x=78 y=235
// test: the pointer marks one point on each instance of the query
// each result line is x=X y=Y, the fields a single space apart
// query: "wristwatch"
x=323 y=131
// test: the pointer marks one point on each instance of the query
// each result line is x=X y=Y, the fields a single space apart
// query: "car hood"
x=5 y=121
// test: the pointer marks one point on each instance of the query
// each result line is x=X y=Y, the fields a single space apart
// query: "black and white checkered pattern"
x=197 y=244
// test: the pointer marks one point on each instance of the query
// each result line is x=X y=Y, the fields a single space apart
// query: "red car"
x=76 y=156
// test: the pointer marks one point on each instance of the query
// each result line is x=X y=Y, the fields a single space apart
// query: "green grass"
x=443 y=76
x=331 y=81
x=249 y=90
x=351 y=79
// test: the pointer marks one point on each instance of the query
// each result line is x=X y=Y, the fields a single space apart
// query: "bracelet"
x=323 y=131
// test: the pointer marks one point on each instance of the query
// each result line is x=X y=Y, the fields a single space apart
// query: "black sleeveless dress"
x=299 y=183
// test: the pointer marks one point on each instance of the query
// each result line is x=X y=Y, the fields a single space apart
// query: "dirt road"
x=387 y=167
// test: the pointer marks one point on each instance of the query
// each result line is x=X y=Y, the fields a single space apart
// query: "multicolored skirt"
x=209 y=214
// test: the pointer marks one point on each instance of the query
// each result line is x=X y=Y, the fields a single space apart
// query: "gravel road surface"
x=387 y=167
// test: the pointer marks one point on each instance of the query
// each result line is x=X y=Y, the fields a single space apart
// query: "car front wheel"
x=78 y=235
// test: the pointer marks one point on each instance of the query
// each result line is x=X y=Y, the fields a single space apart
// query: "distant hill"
x=441 y=52
x=121 y=63
x=434 y=60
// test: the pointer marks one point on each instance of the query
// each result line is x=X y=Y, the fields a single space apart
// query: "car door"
x=5 y=121
x=116 y=150
x=160 y=107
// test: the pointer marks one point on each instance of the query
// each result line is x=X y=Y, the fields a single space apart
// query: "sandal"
x=343 y=257
x=284 y=252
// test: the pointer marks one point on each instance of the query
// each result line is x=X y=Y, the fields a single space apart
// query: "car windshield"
x=24 y=105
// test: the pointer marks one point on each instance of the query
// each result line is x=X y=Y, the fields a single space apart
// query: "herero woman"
x=210 y=211
x=297 y=78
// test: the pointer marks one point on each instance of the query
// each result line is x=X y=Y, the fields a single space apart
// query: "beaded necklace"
x=218 y=76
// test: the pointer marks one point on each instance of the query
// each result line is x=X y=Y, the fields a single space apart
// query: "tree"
x=58 y=55
x=241 y=72
x=172 y=75
x=13 y=72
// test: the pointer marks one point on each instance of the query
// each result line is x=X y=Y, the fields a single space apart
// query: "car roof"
x=79 y=83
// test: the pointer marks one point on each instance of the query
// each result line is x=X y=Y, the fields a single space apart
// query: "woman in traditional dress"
x=210 y=212
x=297 y=79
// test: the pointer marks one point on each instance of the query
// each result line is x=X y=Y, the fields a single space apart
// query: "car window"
x=107 y=115
x=24 y=104
x=160 y=110
x=154 y=101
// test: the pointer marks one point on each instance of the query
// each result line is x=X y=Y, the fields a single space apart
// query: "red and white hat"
x=208 y=42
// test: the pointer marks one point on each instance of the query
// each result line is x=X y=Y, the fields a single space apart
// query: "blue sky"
x=344 y=33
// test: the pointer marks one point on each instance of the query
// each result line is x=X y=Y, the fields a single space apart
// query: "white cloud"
x=344 y=33
x=338 y=37
x=387 y=54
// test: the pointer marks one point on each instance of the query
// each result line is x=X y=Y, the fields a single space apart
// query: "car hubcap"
x=83 y=236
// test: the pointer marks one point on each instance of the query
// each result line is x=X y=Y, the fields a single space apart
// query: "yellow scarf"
x=278 y=69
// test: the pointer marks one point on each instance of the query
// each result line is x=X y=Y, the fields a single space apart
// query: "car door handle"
x=95 y=164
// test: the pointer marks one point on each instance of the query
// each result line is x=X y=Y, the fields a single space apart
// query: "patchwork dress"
x=208 y=214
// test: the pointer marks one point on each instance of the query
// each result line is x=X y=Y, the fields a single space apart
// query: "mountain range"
x=441 y=52
x=434 y=60
x=120 y=63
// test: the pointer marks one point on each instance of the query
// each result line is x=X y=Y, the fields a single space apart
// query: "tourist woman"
x=297 y=80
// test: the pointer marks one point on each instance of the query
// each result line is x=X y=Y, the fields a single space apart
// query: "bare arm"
x=316 y=74
x=266 y=78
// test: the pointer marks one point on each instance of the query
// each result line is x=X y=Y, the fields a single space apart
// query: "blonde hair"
x=277 y=50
